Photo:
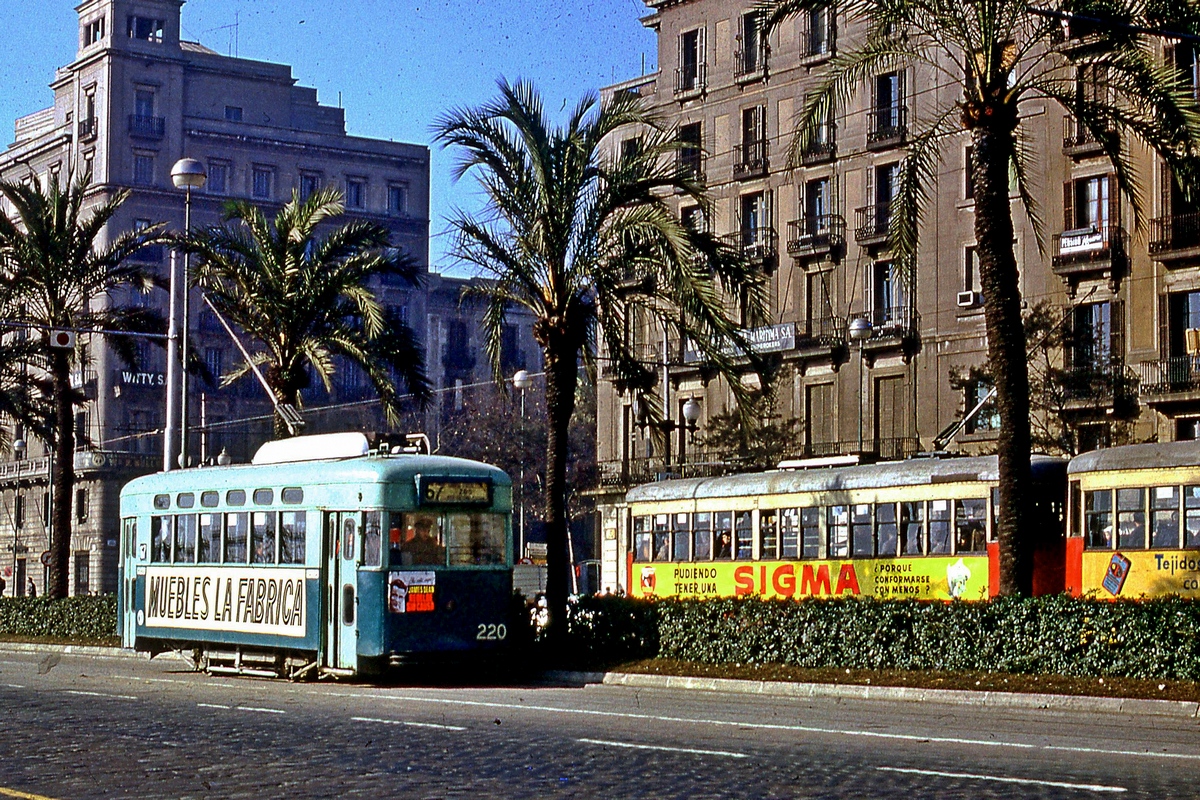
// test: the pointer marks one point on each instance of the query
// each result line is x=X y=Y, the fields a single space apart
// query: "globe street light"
x=691 y=416
x=521 y=380
x=860 y=331
x=187 y=174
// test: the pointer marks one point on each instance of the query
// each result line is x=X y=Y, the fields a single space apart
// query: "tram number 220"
x=491 y=632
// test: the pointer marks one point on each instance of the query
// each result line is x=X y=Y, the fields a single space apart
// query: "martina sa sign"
x=263 y=601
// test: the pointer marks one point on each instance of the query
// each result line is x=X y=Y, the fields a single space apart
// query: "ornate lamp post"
x=860 y=331
x=691 y=416
x=521 y=380
x=187 y=174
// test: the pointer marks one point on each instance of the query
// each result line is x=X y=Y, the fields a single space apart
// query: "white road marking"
x=690 y=750
x=14 y=686
x=162 y=680
x=214 y=705
x=258 y=710
x=101 y=694
x=1088 y=787
x=904 y=737
x=409 y=724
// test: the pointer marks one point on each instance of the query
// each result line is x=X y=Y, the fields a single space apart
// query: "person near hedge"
x=32 y=591
x=3 y=585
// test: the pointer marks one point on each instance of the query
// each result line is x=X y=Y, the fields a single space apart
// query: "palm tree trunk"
x=562 y=376
x=999 y=279
x=63 y=475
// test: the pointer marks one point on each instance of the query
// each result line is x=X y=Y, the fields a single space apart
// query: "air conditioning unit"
x=969 y=299
x=1191 y=341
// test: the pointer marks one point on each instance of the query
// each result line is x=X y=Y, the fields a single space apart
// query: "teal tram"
x=323 y=556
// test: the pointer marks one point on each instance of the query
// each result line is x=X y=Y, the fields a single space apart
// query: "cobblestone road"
x=81 y=728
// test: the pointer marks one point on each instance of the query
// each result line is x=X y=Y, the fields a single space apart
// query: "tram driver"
x=422 y=545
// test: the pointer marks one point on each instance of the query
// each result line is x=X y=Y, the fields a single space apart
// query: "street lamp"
x=521 y=380
x=691 y=416
x=860 y=331
x=187 y=174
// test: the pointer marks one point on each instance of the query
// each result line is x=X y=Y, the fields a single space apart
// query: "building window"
x=263 y=178
x=82 y=573
x=310 y=182
x=751 y=160
x=752 y=53
x=81 y=505
x=818 y=202
x=397 y=199
x=143 y=169
x=819 y=37
x=19 y=511
x=987 y=418
x=146 y=29
x=214 y=361
x=89 y=164
x=690 y=75
x=218 y=177
x=1092 y=344
x=356 y=190
x=692 y=218
x=1088 y=203
x=970 y=281
x=233 y=113
x=968 y=173
x=690 y=151
x=885 y=294
x=143 y=103
x=93 y=32
x=888 y=113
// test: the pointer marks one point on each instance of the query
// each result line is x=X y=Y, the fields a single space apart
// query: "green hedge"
x=1157 y=639
x=79 y=618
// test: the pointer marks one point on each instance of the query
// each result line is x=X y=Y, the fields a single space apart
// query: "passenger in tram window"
x=724 y=546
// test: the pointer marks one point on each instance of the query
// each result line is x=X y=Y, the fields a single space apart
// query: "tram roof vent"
x=318 y=447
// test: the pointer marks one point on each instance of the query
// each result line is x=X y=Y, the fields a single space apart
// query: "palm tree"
x=1005 y=57
x=587 y=243
x=304 y=296
x=57 y=268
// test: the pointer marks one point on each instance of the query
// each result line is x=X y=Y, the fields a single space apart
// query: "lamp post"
x=187 y=174
x=19 y=450
x=691 y=416
x=860 y=331
x=522 y=381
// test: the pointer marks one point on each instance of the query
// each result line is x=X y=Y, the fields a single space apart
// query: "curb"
x=984 y=699
x=71 y=649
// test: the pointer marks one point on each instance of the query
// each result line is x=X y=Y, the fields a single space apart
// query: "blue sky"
x=397 y=64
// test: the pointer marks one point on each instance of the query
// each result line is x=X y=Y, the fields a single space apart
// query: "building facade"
x=135 y=99
x=1127 y=302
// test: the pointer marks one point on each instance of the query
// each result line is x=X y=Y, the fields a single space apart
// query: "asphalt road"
x=79 y=727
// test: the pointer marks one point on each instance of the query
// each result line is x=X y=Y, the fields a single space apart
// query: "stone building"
x=1130 y=301
x=135 y=99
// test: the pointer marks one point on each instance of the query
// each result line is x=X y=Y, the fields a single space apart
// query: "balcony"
x=147 y=127
x=1175 y=237
x=691 y=83
x=750 y=160
x=1088 y=250
x=89 y=129
x=818 y=235
x=889 y=449
x=689 y=464
x=760 y=245
x=749 y=64
x=689 y=161
x=816 y=42
x=1100 y=385
x=821 y=148
x=873 y=223
x=1170 y=380
x=1078 y=141
x=889 y=127
x=892 y=323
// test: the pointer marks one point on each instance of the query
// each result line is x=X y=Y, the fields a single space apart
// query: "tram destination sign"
x=265 y=600
x=454 y=491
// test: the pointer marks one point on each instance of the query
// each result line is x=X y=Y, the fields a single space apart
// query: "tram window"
x=912 y=529
x=1191 y=511
x=293 y=527
x=995 y=512
x=210 y=499
x=264 y=497
x=723 y=522
x=235 y=497
x=209 y=544
x=475 y=538
x=1164 y=517
x=349 y=538
x=423 y=542
x=1076 y=509
x=641 y=538
x=682 y=538
x=702 y=536
x=236 y=534
x=662 y=538
x=292 y=496
x=185 y=500
x=743 y=535
x=162 y=501
x=1097 y=518
x=970 y=528
x=768 y=535
x=885 y=529
x=860 y=531
x=185 y=539
x=810 y=532
x=262 y=537
x=837 y=524
x=372 y=538
x=939 y=527
x=160 y=539
x=789 y=533
x=1131 y=518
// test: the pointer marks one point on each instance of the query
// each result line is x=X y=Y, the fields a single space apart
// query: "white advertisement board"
x=266 y=600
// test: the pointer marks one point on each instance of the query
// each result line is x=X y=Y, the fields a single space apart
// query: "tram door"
x=341 y=589
x=128 y=581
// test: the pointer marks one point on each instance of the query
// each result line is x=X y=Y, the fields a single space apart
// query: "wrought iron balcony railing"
x=1078 y=140
x=821 y=332
x=1088 y=246
x=821 y=148
x=749 y=62
x=759 y=244
x=691 y=81
x=815 y=234
x=893 y=321
x=89 y=129
x=751 y=159
x=1169 y=376
x=873 y=222
x=1175 y=233
x=888 y=126
x=147 y=127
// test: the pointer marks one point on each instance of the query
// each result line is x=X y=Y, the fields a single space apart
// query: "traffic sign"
x=45 y=558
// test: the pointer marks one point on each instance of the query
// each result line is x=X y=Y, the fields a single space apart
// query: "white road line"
x=690 y=750
x=14 y=686
x=214 y=705
x=1087 y=787
x=409 y=724
x=162 y=680
x=101 y=694
x=904 y=737
x=259 y=710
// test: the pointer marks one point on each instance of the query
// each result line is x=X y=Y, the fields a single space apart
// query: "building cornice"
x=283 y=144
